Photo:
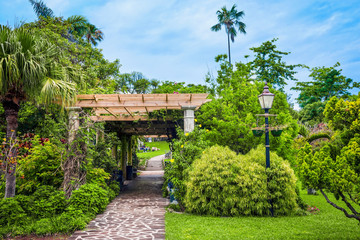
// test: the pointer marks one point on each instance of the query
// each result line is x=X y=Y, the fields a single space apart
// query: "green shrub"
x=90 y=199
x=222 y=183
x=47 y=202
x=11 y=213
x=281 y=183
x=40 y=167
x=97 y=176
x=186 y=149
x=113 y=190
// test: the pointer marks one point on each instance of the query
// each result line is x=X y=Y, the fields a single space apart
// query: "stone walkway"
x=137 y=213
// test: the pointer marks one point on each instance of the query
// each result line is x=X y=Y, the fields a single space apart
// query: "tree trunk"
x=228 y=35
x=11 y=115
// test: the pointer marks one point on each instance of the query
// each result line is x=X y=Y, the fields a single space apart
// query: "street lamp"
x=266 y=99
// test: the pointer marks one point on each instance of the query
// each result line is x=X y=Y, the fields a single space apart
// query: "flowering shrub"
x=313 y=210
x=186 y=149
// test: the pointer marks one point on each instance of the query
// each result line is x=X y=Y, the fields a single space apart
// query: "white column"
x=189 y=118
x=74 y=122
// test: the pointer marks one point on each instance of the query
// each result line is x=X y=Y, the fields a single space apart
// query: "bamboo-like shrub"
x=222 y=183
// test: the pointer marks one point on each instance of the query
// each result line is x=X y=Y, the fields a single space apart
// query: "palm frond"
x=216 y=27
x=41 y=9
x=59 y=91
x=241 y=27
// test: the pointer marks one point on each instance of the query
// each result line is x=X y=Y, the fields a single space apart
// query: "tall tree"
x=327 y=82
x=231 y=20
x=28 y=70
x=269 y=65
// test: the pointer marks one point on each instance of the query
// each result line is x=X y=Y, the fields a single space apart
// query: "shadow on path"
x=137 y=213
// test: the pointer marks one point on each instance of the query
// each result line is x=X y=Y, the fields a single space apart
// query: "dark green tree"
x=269 y=66
x=230 y=19
x=327 y=82
x=230 y=115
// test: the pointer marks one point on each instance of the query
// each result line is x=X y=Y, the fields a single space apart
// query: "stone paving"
x=137 y=213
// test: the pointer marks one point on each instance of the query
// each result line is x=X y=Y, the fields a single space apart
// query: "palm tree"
x=231 y=21
x=93 y=34
x=80 y=26
x=29 y=70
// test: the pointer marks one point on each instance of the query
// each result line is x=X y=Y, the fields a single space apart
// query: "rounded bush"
x=90 y=199
x=222 y=183
x=281 y=180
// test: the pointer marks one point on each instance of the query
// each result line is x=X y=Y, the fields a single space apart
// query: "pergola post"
x=129 y=158
x=189 y=118
x=74 y=122
x=99 y=136
x=123 y=155
x=114 y=152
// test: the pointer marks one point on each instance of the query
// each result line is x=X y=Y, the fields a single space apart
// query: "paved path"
x=137 y=213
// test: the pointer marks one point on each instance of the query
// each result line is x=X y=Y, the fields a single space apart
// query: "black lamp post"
x=266 y=99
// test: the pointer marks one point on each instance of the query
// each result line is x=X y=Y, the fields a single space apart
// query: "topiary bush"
x=90 y=199
x=221 y=183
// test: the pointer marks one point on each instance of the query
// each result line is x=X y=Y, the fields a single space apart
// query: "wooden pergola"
x=135 y=107
x=128 y=114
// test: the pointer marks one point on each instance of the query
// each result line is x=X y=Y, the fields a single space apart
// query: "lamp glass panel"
x=266 y=101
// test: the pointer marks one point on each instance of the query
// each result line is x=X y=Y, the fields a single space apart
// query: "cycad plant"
x=29 y=70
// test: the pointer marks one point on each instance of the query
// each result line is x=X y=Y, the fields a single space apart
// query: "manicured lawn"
x=330 y=223
x=163 y=146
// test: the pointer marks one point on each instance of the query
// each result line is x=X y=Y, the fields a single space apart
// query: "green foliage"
x=186 y=149
x=327 y=82
x=11 y=212
x=40 y=167
x=47 y=202
x=91 y=199
x=98 y=74
x=312 y=113
x=102 y=157
x=339 y=176
x=269 y=66
x=97 y=176
x=328 y=224
x=181 y=87
x=230 y=116
x=113 y=190
x=281 y=180
x=222 y=183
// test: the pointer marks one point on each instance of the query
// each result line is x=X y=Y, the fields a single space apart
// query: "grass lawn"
x=163 y=146
x=330 y=223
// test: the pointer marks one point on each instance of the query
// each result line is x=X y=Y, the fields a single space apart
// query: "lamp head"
x=266 y=98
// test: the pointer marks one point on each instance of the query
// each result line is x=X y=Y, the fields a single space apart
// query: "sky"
x=171 y=39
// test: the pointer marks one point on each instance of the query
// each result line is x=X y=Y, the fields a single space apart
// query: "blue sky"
x=171 y=39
